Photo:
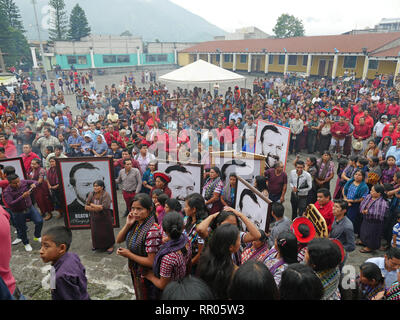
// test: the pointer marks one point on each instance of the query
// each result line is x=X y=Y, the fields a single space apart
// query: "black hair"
x=221 y=217
x=278 y=209
x=227 y=164
x=145 y=201
x=313 y=160
x=253 y=281
x=343 y=204
x=372 y=272
x=196 y=201
x=173 y=225
x=268 y=127
x=100 y=183
x=38 y=161
x=261 y=183
x=287 y=246
x=8 y=170
x=300 y=162
x=215 y=265
x=362 y=173
x=162 y=199
x=247 y=192
x=12 y=177
x=393 y=253
x=59 y=235
x=363 y=161
x=375 y=160
x=325 y=192
x=157 y=192
x=323 y=254
x=177 y=167
x=84 y=165
x=174 y=204
x=188 y=288
x=380 y=189
x=2 y=150
x=354 y=158
x=300 y=282
x=217 y=171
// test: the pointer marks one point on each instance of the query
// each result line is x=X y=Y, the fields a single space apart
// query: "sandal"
x=110 y=251
x=366 y=251
x=48 y=216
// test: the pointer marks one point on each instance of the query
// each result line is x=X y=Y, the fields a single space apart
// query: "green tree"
x=58 y=21
x=78 y=24
x=126 y=33
x=288 y=26
x=13 y=42
x=12 y=14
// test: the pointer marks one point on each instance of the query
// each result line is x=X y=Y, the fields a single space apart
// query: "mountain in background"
x=150 y=19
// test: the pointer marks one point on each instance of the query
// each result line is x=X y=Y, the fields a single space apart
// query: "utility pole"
x=40 y=40
x=2 y=64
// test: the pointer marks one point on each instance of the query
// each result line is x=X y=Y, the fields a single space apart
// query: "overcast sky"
x=319 y=17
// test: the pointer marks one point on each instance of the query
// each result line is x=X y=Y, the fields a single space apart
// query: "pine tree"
x=78 y=24
x=13 y=42
x=58 y=21
x=12 y=14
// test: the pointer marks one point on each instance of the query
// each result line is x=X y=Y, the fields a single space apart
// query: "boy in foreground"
x=67 y=275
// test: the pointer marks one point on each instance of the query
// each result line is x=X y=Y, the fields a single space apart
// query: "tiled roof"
x=315 y=44
x=393 y=52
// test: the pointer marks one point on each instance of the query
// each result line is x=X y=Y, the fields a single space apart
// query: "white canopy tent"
x=201 y=72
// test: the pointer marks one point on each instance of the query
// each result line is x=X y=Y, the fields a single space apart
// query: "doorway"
x=321 y=68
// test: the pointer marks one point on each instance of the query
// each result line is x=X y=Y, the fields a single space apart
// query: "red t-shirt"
x=326 y=212
x=393 y=109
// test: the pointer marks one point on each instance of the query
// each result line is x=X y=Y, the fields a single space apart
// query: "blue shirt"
x=100 y=147
x=77 y=140
x=64 y=121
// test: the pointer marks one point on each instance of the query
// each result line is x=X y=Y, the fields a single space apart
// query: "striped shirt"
x=173 y=265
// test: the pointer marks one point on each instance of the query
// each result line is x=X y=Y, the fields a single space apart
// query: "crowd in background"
x=207 y=247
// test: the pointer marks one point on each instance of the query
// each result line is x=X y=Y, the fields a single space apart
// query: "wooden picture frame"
x=282 y=149
x=18 y=165
x=261 y=218
x=195 y=169
x=74 y=195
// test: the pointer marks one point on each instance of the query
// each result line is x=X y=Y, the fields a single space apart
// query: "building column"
x=209 y=58
x=334 y=68
x=365 y=70
x=220 y=60
x=234 y=62
x=309 y=63
x=138 y=56
x=266 y=69
x=34 y=59
x=249 y=62
x=397 y=71
x=176 y=56
x=198 y=57
x=285 y=68
x=92 y=57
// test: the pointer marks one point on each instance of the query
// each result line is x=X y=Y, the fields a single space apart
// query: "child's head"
x=162 y=199
x=154 y=196
x=278 y=210
x=362 y=162
x=55 y=243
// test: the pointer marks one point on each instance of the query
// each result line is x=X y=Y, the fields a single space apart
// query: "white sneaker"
x=16 y=241
x=28 y=247
x=38 y=239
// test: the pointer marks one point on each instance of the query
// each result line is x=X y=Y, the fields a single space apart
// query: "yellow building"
x=326 y=56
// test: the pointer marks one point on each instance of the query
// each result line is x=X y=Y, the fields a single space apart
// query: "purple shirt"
x=13 y=197
x=71 y=282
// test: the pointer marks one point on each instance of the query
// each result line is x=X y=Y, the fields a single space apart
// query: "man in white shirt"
x=92 y=117
x=296 y=127
x=389 y=265
x=301 y=183
x=235 y=115
x=378 y=128
x=135 y=104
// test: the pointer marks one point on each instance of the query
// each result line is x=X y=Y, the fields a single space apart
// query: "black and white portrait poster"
x=77 y=176
x=252 y=204
x=185 y=178
x=272 y=141
x=248 y=168
x=17 y=164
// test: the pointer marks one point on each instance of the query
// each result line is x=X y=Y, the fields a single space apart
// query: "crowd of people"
x=198 y=246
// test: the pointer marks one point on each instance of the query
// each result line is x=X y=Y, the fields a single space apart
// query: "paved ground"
x=108 y=276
